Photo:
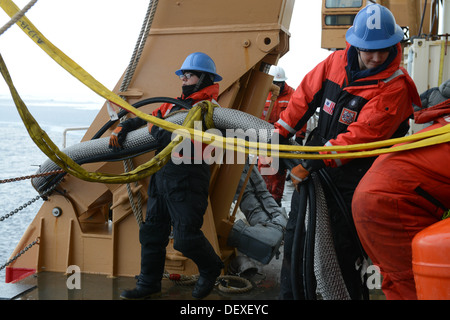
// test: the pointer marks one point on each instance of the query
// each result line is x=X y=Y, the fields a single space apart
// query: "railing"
x=71 y=129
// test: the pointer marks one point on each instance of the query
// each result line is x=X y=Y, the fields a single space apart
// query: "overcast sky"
x=96 y=35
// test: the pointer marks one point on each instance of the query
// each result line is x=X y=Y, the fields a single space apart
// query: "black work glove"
x=117 y=138
x=119 y=134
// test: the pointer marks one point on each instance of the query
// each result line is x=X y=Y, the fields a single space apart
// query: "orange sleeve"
x=301 y=105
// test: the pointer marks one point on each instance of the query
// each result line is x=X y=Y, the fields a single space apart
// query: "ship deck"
x=53 y=285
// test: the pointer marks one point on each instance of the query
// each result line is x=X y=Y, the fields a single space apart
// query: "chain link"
x=32 y=176
x=21 y=252
x=6 y=216
x=26 y=204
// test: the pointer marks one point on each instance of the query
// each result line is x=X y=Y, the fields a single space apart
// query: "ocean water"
x=19 y=157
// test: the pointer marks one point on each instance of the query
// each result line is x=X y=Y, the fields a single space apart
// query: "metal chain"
x=26 y=204
x=31 y=176
x=21 y=252
x=6 y=216
x=17 y=210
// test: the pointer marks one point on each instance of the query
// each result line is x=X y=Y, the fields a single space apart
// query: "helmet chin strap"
x=199 y=83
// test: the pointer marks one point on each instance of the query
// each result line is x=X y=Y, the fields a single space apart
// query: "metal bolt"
x=56 y=212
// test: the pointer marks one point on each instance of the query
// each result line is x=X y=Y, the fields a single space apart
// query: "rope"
x=223 y=282
x=136 y=206
x=140 y=43
x=17 y=16
x=181 y=279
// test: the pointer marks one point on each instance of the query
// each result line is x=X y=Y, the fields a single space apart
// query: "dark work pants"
x=178 y=197
x=347 y=247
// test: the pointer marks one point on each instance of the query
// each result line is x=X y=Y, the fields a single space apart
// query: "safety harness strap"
x=433 y=200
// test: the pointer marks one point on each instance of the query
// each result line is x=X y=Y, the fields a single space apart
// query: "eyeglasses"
x=186 y=75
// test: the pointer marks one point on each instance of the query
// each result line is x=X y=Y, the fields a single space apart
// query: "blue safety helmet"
x=374 y=28
x=199 y=61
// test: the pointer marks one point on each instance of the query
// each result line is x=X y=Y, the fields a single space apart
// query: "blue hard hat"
x=374 y=28
x=199 y=61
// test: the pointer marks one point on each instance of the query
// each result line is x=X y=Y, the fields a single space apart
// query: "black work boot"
x=142 y=291
x=203 y=287
x=205 y=283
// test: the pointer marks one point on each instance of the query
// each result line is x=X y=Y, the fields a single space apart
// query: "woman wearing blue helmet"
x=374 y=35
x=201 y=65
x=177 y=193
x=363 y=95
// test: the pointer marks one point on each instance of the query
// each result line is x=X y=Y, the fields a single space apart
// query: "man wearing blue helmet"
x=363 y=95
x=177 y=194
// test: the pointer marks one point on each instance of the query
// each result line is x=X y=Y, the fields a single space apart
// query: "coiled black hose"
x=298 y=243
x=309 y=280
x=303 y=244
x=139 y=104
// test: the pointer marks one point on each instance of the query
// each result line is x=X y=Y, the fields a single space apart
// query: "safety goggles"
x=186 y=75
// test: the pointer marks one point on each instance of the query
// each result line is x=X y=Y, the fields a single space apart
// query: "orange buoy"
x=431 y=261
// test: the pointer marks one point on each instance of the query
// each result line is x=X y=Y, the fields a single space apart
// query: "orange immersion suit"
x=389 y=207
x=275 y=182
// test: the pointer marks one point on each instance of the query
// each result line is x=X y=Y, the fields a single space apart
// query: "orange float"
x=431 y=261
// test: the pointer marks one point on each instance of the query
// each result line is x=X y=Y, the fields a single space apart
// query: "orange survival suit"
x=275 y=182
x=401 y=194
x=279 y=105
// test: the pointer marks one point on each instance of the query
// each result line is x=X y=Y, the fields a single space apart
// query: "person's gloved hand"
x=275 y=92
x=298 y=175
x=301 y=172
x=117 y=138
